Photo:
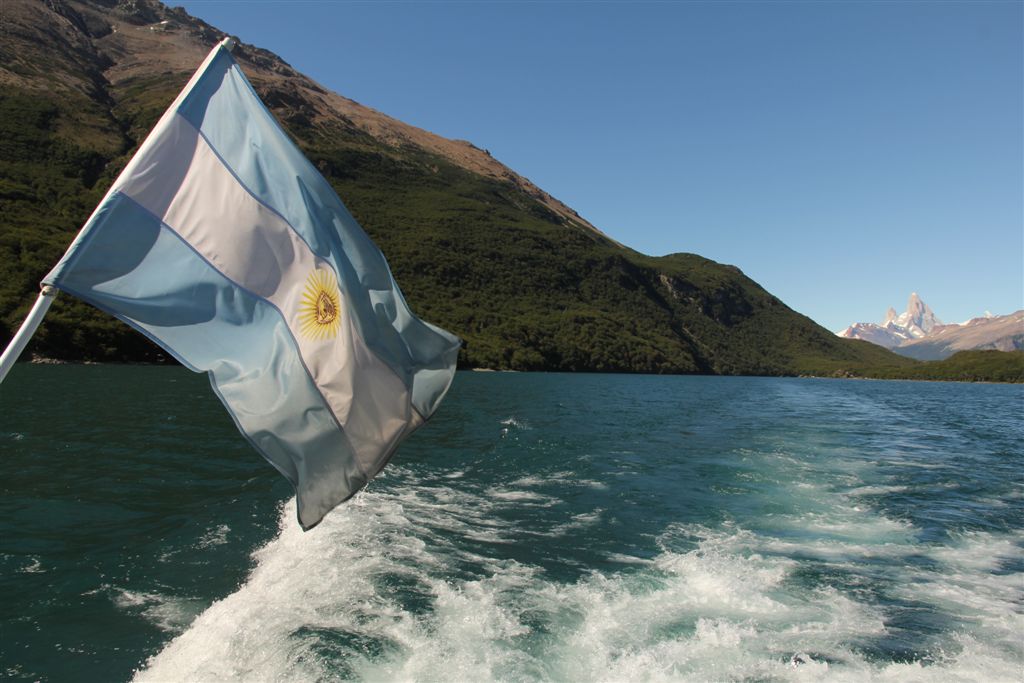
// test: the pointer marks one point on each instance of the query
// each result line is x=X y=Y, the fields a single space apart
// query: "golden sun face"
x=320 y=308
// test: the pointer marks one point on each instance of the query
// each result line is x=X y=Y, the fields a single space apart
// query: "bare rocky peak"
x=914 y=303
x=918 y=320
x=914 y=323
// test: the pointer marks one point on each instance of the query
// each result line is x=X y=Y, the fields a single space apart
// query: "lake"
x=541 y=527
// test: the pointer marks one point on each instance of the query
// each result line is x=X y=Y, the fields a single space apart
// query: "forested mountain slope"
x=525 y=281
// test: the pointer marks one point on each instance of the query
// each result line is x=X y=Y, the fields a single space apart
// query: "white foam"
x=170 y=614
x=561 y=479
x=980 y=551
x=214 y=537
x=577 y=522
x=34 y=566
x=878 y=490
x=687 y=610
x=512 y=424
x=530 y=481
x=386 y=589
x=970 y=585
x=627 y=559
x=521 y=496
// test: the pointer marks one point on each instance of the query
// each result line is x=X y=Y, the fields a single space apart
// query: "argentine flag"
x=221 y=243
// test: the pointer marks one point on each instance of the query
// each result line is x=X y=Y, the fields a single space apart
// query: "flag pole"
x=28 y=328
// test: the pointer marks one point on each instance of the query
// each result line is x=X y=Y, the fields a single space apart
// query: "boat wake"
x=409 y=585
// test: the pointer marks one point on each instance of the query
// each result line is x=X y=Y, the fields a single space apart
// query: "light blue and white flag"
x=222 y=243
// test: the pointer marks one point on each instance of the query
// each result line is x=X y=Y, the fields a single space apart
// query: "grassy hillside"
x=526 y=288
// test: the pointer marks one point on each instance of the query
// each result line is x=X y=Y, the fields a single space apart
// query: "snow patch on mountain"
x=914 y=323
x=918 y=333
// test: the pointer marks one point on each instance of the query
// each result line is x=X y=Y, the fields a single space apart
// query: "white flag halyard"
x=223 y=244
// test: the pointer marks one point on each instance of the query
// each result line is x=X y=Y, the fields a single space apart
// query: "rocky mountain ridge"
x=994 y=332
x=918 y=333
x=896 y=329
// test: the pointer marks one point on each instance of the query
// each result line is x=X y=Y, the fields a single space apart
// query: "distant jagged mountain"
x=914 y=323
x=918 y=320
x=998 y=332
x=882 y=335
x=477 y=248
x=918 y=333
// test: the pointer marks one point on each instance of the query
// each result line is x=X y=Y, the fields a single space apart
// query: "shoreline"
x=45 y=360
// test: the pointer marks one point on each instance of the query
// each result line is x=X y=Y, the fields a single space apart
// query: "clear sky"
x=843 y=154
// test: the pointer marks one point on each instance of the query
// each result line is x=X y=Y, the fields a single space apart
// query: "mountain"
x=918 y=333
x=886 y=335
x=1000 y=333
x=918 y=320
x=478 y=249
x=914 y=323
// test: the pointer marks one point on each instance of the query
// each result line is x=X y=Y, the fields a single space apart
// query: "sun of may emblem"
x=320 y=309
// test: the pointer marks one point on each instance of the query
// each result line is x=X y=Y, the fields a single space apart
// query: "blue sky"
x=843 y=154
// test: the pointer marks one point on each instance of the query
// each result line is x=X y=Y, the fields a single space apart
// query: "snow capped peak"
x=887 y=336
x=980 y=319
x=918 y=320
x=914 y=323
x=919 y=334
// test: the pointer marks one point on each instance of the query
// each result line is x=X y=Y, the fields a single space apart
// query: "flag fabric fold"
x=225 y=246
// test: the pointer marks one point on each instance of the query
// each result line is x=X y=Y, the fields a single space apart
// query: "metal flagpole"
x=28 y=328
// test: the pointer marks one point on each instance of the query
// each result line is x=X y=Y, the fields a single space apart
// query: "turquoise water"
x=542 y=527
